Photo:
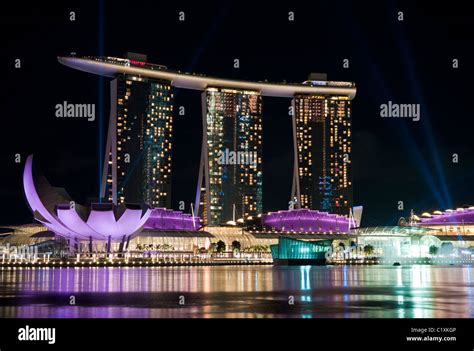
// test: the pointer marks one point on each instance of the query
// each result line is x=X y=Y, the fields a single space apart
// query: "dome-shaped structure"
x=430 y=240
x=306 y=220
x=460 y=216
x=166 y=219
x=55 y=210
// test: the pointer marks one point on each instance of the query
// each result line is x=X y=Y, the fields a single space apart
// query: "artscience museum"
x=103 y=223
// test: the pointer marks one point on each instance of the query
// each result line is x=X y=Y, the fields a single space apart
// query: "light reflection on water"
x=239 y=291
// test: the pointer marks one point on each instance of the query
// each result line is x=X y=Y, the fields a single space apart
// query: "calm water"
x=239 y=291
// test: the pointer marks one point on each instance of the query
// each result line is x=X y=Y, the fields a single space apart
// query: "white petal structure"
x=104 y=221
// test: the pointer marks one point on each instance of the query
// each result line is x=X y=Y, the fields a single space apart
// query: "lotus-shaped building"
x=56 y=211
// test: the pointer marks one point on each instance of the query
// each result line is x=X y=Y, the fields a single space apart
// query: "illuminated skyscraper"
x=231 y=160
x=322 y=139
x=139 y=141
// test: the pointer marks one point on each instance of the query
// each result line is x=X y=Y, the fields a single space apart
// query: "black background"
x=406 y=62
x=215 y=334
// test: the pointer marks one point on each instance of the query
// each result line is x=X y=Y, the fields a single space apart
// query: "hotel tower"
x=137 y=167
x=231 y=169
x=323 y=151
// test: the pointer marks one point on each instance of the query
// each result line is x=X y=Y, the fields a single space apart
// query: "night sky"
x=394 y=159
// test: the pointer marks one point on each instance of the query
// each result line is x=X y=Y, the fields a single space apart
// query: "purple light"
x=465 y=216
x=35 y=203
x=164 y=219
x=67 y=223
x=104 y=222
x=306 y=221
x=72 y=220
x=131 y=221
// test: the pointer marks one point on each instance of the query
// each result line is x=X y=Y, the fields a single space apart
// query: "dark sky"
x=405 y=62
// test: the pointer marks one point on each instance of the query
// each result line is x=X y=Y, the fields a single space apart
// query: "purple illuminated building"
x=54 y=209
x=459 y=216
x=305 y=221
x=165 y=219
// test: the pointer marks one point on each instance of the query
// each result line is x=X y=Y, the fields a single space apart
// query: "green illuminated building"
x=298 y=252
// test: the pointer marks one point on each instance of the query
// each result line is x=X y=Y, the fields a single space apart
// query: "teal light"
x=289 y=249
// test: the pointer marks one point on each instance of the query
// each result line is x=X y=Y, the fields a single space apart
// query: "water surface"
x=238 y=291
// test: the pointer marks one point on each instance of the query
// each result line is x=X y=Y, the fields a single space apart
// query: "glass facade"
x=292 y=249
x=144 y=127
x=234 y=154
x=323 y=150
